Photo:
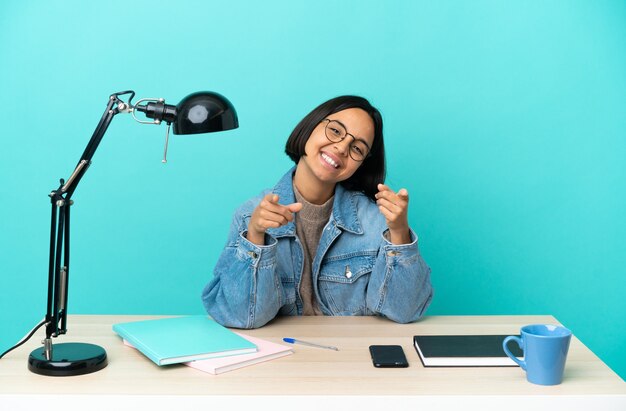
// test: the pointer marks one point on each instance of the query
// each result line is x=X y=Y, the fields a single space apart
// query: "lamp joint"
x=123 y=108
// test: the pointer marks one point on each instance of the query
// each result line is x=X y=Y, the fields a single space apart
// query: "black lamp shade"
x=204 y=112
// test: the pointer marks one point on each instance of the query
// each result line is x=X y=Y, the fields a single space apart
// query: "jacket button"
x=252 y=254
x=392 y=253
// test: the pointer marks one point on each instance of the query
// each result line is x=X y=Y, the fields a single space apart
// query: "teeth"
x=329 y=160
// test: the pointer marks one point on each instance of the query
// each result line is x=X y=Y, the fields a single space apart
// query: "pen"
x=294 y=341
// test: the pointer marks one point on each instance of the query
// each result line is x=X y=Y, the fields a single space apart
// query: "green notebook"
x=181 y=339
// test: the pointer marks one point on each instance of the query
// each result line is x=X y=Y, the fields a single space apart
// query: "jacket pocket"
x=343 y=282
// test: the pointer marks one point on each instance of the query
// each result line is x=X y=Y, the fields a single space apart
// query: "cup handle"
x=511 y=356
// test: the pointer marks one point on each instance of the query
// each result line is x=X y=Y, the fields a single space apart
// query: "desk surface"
x=312 y=371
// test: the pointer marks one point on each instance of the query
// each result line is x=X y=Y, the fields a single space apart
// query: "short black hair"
x=372 y=171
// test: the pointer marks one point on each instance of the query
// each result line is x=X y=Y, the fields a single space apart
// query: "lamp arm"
x=115 y=105
x=59 y=262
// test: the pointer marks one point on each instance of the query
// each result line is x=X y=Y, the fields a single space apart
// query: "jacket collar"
x=344 y=213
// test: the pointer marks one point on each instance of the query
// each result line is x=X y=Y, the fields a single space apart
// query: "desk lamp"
x=200 y=112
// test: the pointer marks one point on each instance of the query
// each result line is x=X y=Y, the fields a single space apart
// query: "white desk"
x=314 y=377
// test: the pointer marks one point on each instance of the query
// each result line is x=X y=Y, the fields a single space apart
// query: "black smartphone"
x=388 y=356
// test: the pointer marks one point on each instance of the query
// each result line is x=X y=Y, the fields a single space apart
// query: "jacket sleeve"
x=244 y=291
x=400 y=287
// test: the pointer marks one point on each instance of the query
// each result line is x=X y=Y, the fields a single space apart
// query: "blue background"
x=506 y=121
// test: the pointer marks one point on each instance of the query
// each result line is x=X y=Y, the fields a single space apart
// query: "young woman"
x=329 y=238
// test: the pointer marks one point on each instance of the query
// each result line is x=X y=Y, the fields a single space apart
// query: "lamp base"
x=68 y=359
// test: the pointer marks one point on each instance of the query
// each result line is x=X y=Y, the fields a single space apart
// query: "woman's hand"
x=269 y=214
x=394 y=207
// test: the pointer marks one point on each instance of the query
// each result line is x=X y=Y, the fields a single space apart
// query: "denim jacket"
x=356 y=271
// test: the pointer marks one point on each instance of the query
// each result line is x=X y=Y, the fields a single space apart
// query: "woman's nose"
x=343 y=146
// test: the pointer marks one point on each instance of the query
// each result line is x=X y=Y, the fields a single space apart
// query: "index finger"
x=272 y=198
x=383 y=187
x=402 y=192
x=270 y=204
x=386 y=191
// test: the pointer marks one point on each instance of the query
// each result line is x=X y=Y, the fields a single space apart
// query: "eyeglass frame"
x=369 y=149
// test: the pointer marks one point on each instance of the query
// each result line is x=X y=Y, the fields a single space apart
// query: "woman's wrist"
x=400 y=236
x=255 y=238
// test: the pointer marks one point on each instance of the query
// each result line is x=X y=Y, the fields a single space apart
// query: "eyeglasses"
x=336 y=132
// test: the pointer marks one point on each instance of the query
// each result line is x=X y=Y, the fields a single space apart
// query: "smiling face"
x=326 y=163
